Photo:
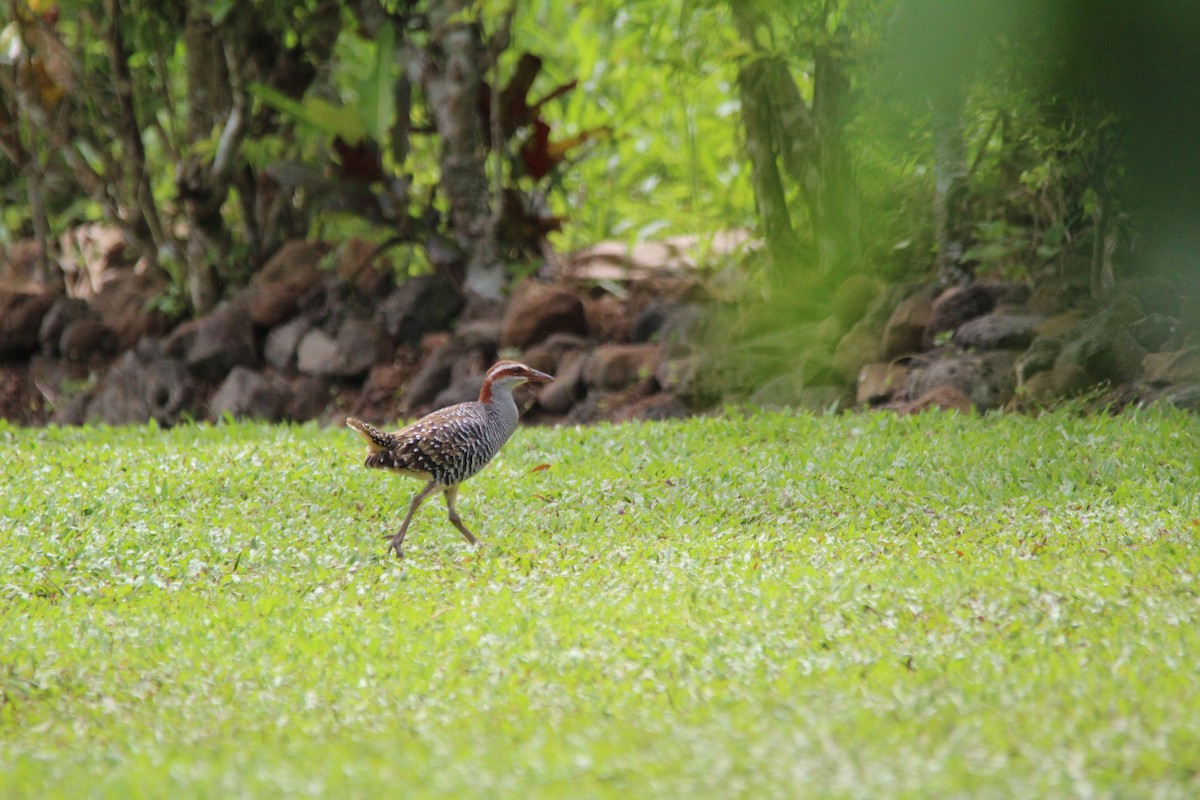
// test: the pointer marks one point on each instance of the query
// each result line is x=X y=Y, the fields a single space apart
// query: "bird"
x=448 y=446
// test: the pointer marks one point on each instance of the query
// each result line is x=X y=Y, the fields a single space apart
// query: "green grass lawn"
x=758 y=606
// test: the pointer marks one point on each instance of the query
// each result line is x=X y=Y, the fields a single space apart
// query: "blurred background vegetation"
x=901 y=139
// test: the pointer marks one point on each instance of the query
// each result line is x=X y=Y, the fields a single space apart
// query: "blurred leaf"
x=376 y=90
x=341 y=121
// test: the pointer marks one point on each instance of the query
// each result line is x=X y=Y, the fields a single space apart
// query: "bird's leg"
x=451 y=496
x=398 y=537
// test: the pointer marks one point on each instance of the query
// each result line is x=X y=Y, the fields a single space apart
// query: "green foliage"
x=366 y=75
x=762 y=605
x=658 y=75
x=661 y=75
x=345 y=122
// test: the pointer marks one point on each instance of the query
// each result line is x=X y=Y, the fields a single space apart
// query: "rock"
x=655 y=408
x=1156 y=294
x=1154 y=331
x=1180 y=366
x=616 y=366
x=1040 y=356
x=1117 y=398
x=479 y=307
x=985 y=378
x=294 y=257
x=214 y=344
x=1104 y=347
x=676 y=372
x=422 y=304
x=18 y=261
x=136 y=390
x=85 y=339
x=567 y=388
x=460 y=390
x=283 y=343
x=885 y=304
x=57 y=377
x=272 y=303
x=649 y=321
x=479 y=334
x=1186 y=397
x=1126 y=308
x=22 y=402
x=1045 y=389
x=880 y=382
x=21 y=316
x=357 y=346
x=852 y=299
x=361 y=343
x=291 y=272
x=381 y=391
x=317 y=353
x=308 y=397
x=547 y=356
x=354 y=264
x=1058 y=290
x=607 y=318
x=859 y=346
x=249 y=394
x=64 y=311
x=997 y=332
x=683 y=324
x=905 y=328
x=957 y=305
x=445 y=365
x=596 y=407
x=446 y=255
x=538 y=310
x=127 y=305
x=944 y=398
x=1059 y=324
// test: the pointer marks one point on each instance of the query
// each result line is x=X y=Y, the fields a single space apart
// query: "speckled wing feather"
x=447 y=446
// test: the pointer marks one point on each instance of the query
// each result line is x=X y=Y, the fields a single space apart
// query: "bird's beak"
x=538 y=377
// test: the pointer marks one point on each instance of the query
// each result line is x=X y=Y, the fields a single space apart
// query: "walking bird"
x=449 y=446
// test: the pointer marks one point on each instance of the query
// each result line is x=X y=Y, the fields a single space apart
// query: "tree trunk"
x=950 y=218
x=758 y=120
x=808 y=142
x=453 y=79
x=206 y=239
x=145 y=222
x=38 y=216
x=837 y=222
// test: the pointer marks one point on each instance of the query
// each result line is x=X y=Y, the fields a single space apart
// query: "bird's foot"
x=394 y=544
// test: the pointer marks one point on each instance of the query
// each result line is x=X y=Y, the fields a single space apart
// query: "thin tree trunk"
x=759 y=124
x=453 y=79
x=146 y=223
x=206 y=240
x=40 y=219
x=950 y=218
x=782 y=130
x=837 y=222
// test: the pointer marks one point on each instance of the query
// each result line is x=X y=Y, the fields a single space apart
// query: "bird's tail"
x=376 y=439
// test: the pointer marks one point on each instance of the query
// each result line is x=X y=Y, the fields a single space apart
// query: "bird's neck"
x=490 y=394
x=499 y=405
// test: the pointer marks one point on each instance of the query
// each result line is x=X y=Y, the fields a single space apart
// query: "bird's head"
x=507 y=375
